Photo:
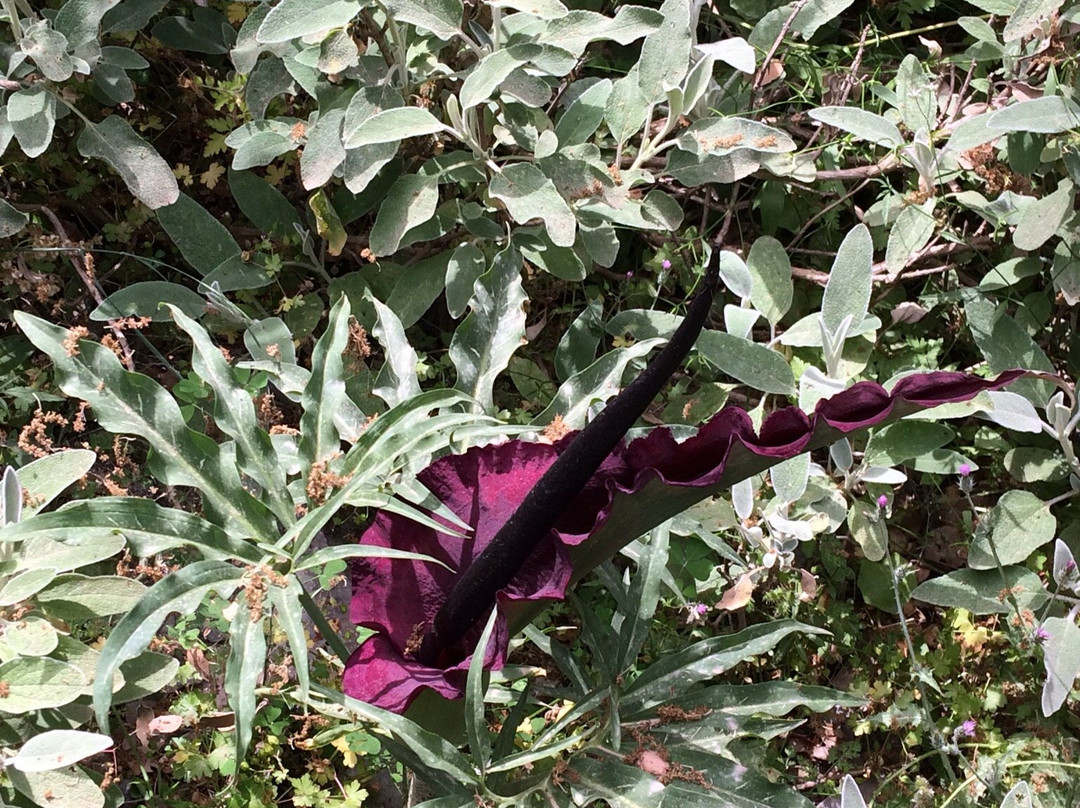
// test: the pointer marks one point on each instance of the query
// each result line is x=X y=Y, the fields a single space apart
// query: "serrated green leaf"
x=142 y=169
x=179 y=591
x=484 y=342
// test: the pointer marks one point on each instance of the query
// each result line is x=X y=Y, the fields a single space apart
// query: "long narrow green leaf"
x=397 y=431
x=475 y=687
x=180 y=591
x=483 y=344
x=132 y=403
x=286 y=602
x=341 y=552
x=234 y=414
x=643 y=596
x=247 y=658
x=704 y=660
x=148 y=527
x=435 y=752
x=325 y=390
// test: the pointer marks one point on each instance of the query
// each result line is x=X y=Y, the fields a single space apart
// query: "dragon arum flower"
x=639 y=485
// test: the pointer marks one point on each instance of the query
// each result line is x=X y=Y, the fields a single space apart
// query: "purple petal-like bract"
x=398 y=599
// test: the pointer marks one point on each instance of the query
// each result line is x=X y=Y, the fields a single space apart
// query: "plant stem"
x=332 y=638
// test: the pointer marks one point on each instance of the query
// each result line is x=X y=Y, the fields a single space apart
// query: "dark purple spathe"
x=483 y=486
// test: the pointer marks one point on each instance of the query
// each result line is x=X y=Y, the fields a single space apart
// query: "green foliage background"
x=282 y=255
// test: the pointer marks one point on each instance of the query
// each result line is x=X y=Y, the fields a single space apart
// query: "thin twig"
x=85 y=275
x=810 y=222
x=759 y=76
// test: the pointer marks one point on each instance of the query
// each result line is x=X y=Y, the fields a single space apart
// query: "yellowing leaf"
x=327 y=222
x=215 y=144
x=275 y=174
x=183 y=173
x=348 y=755
x=210 y=177
x=236 y=12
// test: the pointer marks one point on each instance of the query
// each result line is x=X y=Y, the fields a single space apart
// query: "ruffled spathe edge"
x=484 y=485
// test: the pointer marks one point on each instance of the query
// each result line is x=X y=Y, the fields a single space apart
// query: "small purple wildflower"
x=882 y=501
x=967 y=729
x=630 y=274
x=1041 y=635
x=965 y=469
x=1070 y=567
x=665 y=264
